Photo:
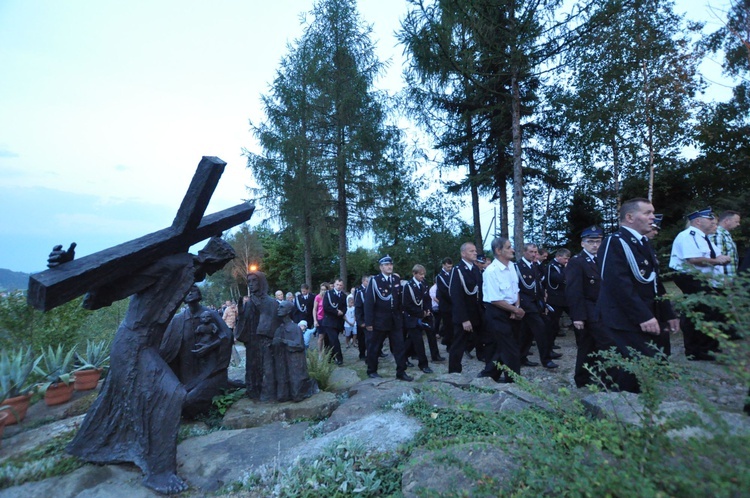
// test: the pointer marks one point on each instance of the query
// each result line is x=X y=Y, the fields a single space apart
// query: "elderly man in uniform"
x=359 y=316
x=466 y=298
x=532 y=302
x=693 y=252
x=627 y=305
x=383 y=318
x=582 y=281
x=502 y=312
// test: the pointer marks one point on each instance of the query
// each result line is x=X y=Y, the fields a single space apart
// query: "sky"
x=106 y=109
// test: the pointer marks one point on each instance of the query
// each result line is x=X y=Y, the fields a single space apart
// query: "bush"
x=320 y=367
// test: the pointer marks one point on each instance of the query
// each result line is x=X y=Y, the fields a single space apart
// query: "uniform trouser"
x=417 y=343
x=587 y=346
x=362 y=342
x=432 y=341
x=375 y=345
x=460 y=342
x=697 y=344
x=624 y=340
x=534 y=329
x=447 y=331
x=332 y=335
x=501 y=342
x=553 y=322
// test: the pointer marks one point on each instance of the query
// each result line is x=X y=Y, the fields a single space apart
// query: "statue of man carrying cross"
x=137 y=414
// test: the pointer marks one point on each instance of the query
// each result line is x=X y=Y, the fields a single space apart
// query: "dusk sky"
x=107 y=107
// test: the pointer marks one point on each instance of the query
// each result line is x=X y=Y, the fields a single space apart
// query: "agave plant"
x=56 y=365
x=97 y=355
x=16 y=368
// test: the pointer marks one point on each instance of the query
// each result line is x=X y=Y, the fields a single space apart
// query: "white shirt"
x=433 y=297
x=500 y=283
x=468 y=264
x=638 y=236
x=690 y=243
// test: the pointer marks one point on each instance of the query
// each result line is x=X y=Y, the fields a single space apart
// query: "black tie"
x=710 y=247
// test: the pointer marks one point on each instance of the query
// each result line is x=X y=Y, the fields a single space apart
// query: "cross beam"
x=61 y=284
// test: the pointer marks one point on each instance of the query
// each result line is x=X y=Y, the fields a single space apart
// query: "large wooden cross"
x=58 y=285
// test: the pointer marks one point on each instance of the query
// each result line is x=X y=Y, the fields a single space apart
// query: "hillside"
x=13 y=280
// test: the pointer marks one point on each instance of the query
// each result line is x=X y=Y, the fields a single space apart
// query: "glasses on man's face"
x=592 y=241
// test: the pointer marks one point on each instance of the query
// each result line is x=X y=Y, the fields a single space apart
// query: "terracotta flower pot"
x=87 y=379
x=57 y=394
x=19 y=404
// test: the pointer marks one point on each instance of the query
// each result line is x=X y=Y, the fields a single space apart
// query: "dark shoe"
x=554 y=355
x=362 y=358
x=492 y=375
x=409 y=364
x=551 y=365
x=529 y=363
x=405 y=377
x=438 y=359
x=374 y=375
x=555 y=346
x=427 y=370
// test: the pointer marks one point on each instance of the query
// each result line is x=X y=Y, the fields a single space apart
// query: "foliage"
x=223 y=402
x=320 y=366
x=96 y=356
x=343 y=469
x=46 y=460
x=56 y=365
x=16 y=367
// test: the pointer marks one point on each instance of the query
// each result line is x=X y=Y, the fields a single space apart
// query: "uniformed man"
x=334 y=309
x=693 y=252
x=446 y=308
x=554 y=285
x=383 y=318
x=532 y=302
x=663 y=341
x=465 y=289
x=627 y=304
x=416 y=304
x=582 y=282
x=359 y=316
x=303 y=305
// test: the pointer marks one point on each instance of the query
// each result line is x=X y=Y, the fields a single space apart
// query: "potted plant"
x=56 y=367
x=91 y=365
x=16 y=382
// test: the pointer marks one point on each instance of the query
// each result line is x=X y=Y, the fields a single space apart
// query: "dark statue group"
x=165 y=366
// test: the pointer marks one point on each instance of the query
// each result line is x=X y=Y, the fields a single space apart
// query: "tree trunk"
x=341 y=207
x=473 y=173
x=517 y=164
x=503 y=194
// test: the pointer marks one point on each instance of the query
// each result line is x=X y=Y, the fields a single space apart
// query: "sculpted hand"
x=651 y=326
x=58 y=256
x=578 y=325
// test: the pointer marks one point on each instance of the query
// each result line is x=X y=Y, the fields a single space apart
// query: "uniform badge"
x=643 y=272
x=645 y=262
x=632 y=239
x=591 y=281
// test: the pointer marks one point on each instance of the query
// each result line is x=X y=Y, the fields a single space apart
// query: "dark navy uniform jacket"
x=359 y=305
x=383 y=303
x=582 y=283
x=466 y=294
x=332 y=304
x=415 y=301
x=303 y=308
x=555 y=284
x=532 y=300
x=443 y=292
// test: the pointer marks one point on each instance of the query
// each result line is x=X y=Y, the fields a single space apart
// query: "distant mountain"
x=13 y=280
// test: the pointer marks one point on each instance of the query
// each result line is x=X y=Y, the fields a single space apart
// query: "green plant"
x=56 y=365
x=97 y=355
x=320 y=366
x=44 y=461
x=222 y=402
x=16 y=369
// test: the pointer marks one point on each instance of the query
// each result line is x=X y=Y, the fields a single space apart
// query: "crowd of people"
x=495 y=308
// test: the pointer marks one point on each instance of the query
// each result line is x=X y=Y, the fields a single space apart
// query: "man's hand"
x=651 y=326
x=518 y=314
x=578 y=324
x=674 y=325
x=723 y=259
x=467 y=326
x=58 y=256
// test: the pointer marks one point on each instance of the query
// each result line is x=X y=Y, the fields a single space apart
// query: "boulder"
x=247 y=413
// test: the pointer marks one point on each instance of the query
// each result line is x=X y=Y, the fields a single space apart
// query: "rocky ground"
x=258 y=435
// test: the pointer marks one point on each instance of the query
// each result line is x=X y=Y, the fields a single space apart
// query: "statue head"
x=256 y=283
x=206 y=317
x=285 y=307
x=213 y=257
x=193 y=295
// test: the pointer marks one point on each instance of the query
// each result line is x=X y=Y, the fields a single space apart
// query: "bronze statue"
x=197 y=345
x=257 y=321
x=137 y=414
x=292 y=380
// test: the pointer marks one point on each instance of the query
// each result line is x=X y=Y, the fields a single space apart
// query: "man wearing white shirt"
x=692 y=252
x=502 y=312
